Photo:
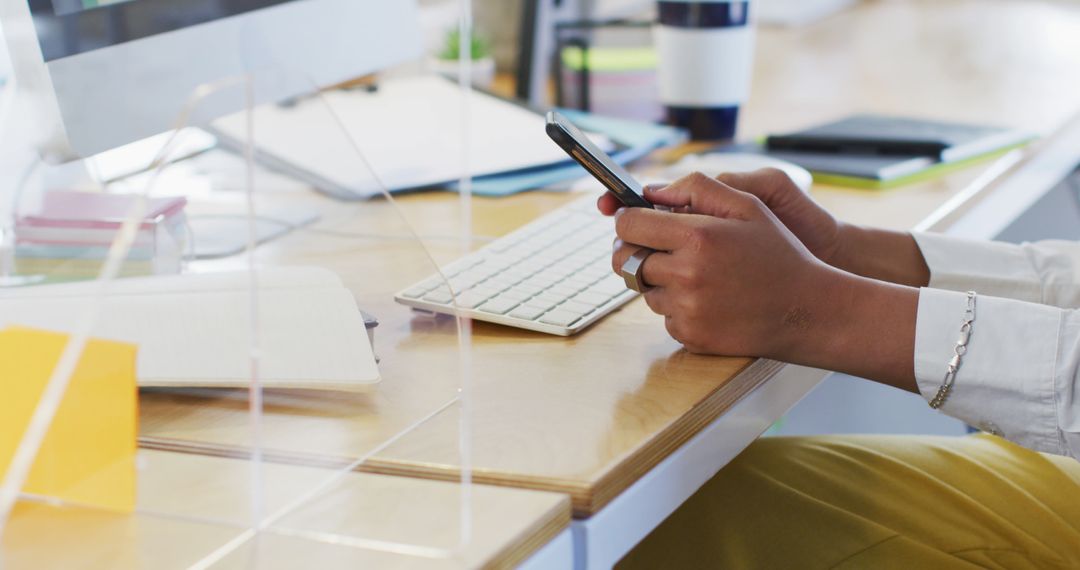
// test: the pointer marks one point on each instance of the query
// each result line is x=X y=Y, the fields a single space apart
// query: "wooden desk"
x=590 y=415
x=191 y=507
x=585 y=416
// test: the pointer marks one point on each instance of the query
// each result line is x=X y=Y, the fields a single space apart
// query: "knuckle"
x=618 y=257
x=690 y=277
x=697 y=177
x=690 y=306
x=778 y=179
x=729 y=178
x=623 y=223
x=754 y=201
x=628 y=223
x=775 y=174
x=698 y=238
x=617 y=260
x=692 y=180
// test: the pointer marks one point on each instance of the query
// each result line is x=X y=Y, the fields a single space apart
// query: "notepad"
x=899 y=136
x=88 y=454
x=410 y=131
x=194 y=330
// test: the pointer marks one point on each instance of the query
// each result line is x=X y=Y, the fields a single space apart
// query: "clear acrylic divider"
x=359 y=245
x=257 y=316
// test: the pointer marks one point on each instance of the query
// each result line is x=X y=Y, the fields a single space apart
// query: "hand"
x=728 y=277
x=879 y=254
x=818 y=230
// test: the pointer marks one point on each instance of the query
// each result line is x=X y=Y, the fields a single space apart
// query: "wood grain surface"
x=588 y=415
x=191 y=507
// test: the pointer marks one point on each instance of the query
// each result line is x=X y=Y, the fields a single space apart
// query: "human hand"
x=728 y=276
x=818 y=230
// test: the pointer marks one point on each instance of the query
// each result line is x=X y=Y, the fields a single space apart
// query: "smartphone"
x=597 y=162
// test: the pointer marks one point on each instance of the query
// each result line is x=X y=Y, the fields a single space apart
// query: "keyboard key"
x=574 y=306
x=460 y=265
x=503 y=280
x=483 y=271
x=512 y=294
x=518 y=274
x=565 y=290
x=560 y=318
x=544 y=280
x=473 y=299
x=415 y=292
x=528 y=289
x=579 y=281
x=438 y=296
x=610 y=286
x=484 y=291
x=556 y=270
x=590 y=299
x=528 y=312
x=499 y=305
x=463 y=282
x=545 y=301
x=494 y=285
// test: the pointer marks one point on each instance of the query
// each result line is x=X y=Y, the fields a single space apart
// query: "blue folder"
x=635 y=139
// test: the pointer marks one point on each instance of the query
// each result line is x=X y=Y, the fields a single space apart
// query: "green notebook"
x=872 y=151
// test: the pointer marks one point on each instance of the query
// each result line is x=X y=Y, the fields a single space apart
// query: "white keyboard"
x=552 y=275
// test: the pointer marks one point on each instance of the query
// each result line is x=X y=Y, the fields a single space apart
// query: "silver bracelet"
x=959 y=351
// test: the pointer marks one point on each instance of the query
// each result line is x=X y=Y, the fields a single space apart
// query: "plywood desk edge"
x=541 y=532
x=590 y=497
x=587 y=497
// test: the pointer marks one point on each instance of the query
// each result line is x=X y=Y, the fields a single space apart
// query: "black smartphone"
x=597 y=162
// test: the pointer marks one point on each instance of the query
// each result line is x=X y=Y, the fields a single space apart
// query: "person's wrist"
x=854 y=324
x=809 y=313
x=843 y=254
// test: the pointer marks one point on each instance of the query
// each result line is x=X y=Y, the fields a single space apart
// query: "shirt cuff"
x=991 y=268
x=1005 y=383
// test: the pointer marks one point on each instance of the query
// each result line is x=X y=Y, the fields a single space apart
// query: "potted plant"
x=483 y=64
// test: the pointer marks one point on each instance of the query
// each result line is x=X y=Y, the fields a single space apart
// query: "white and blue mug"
x=706 y=51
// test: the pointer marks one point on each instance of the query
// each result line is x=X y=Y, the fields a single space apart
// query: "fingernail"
x=619 y=212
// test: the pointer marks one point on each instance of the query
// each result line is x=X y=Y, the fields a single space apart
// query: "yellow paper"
x=88 y=456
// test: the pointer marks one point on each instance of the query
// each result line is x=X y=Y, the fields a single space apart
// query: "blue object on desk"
x=637 y=138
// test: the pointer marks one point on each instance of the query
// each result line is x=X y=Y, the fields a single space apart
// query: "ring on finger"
x=632 y=270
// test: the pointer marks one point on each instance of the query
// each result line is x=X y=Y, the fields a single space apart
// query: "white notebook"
x=410 y=131
x=194 y=330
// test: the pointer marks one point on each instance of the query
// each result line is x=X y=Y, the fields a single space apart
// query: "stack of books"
x=875 y=151
x=70 y=235
x=619 y=82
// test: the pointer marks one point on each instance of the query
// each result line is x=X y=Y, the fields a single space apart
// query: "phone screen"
x=596 y=161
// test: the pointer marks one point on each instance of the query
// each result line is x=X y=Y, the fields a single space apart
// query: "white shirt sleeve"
x=1045 y=272
x=1021 y=375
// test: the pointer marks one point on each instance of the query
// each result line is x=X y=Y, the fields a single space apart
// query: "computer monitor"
x=104 y=73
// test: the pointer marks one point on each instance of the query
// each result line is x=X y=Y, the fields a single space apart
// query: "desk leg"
x=603 y=539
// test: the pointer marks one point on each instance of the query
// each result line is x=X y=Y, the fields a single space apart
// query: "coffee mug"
x=706 y=55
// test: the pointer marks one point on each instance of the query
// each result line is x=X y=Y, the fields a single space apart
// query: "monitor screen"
x=65 y=7
x=71 y=27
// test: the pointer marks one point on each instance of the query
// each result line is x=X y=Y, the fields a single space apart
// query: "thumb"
x=697 y=193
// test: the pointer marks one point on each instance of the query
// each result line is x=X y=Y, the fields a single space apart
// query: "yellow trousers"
x=876 y=502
